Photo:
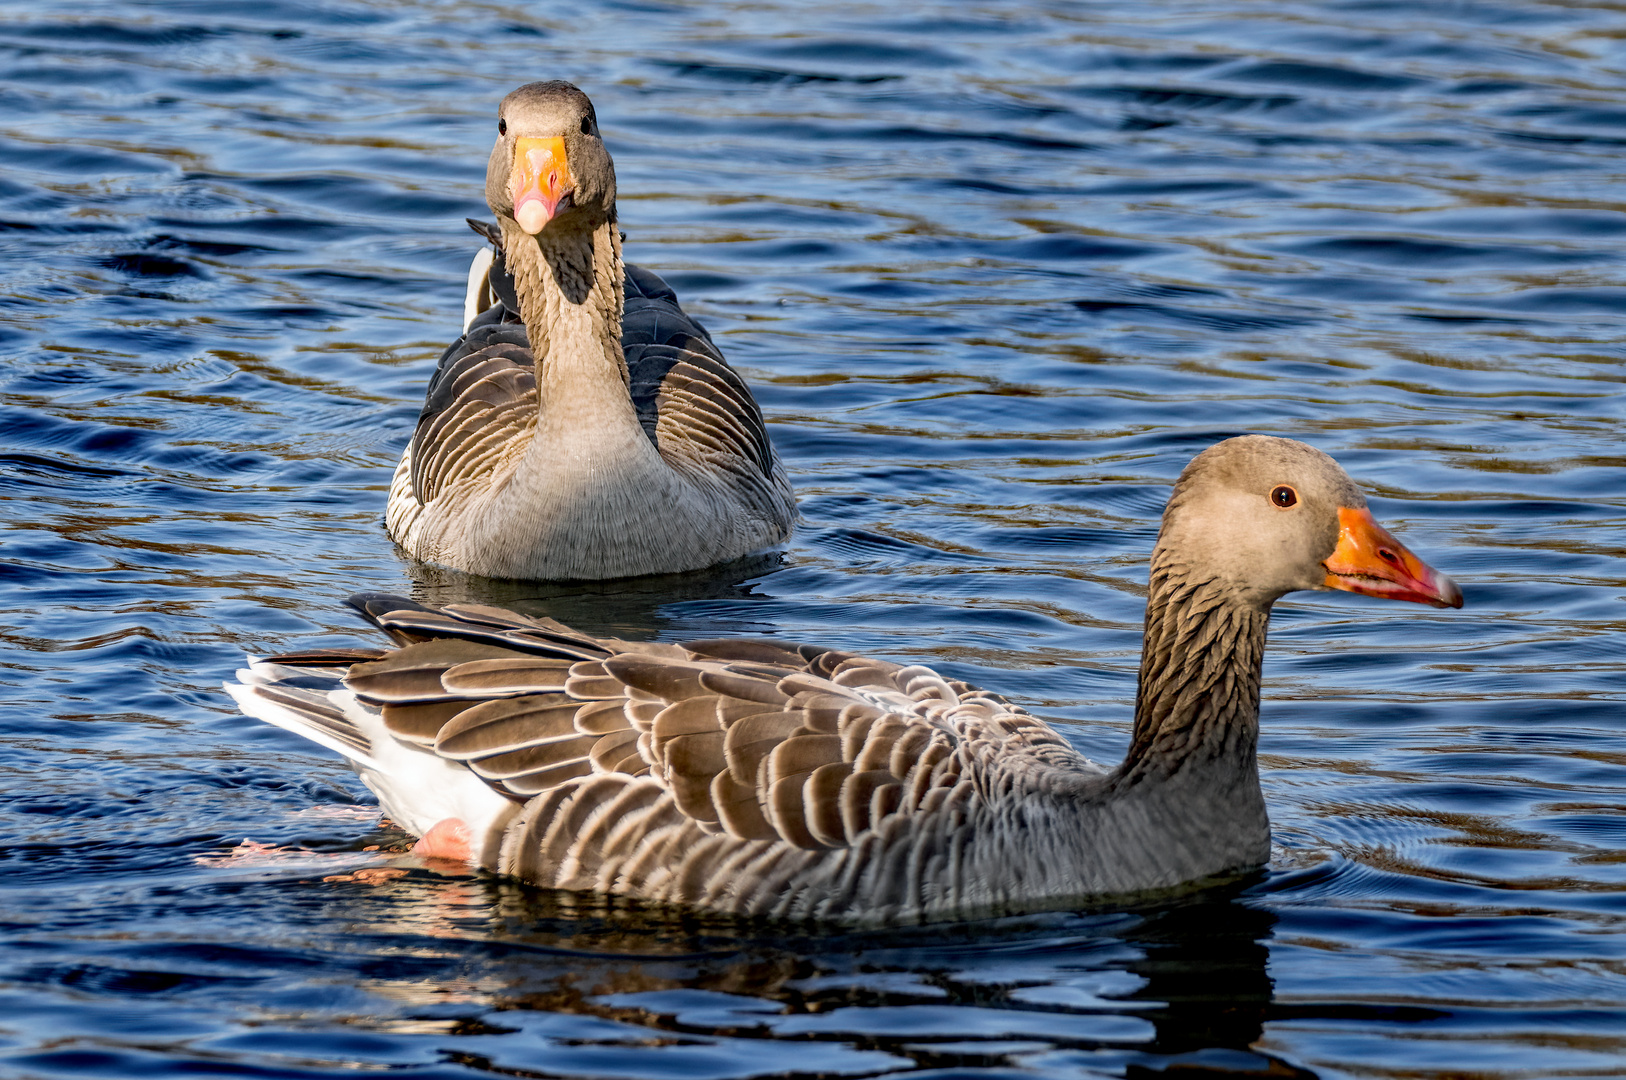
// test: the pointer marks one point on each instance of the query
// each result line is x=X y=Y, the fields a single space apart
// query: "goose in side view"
x=759 y=777
x=584 y=426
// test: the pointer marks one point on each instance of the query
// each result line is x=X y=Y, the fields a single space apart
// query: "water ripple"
x=996 y=271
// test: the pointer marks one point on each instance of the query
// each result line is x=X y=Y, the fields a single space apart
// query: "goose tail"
x=416 y=788
x=306 y=702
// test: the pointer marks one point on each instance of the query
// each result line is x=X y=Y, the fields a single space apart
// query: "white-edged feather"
x=415 y=787
x=478 y=295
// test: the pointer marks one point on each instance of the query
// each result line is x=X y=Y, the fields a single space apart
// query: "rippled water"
x=996 y=272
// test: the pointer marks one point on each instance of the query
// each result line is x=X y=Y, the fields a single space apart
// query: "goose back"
x=745 y=776
x=482 y=404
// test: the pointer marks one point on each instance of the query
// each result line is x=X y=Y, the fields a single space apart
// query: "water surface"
x=996 y=272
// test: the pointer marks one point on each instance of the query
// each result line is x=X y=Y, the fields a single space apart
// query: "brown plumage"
x=584 y=426
x=763 y=778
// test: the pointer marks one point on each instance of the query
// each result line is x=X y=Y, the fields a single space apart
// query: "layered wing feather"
x=481 y=398
x=696 y=410
x=747 y=776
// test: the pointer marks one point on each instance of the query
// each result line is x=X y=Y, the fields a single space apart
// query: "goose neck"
x=571 y=293
x=1197 y=704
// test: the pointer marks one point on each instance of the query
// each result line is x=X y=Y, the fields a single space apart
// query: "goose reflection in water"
x=1180 y=985
x=642 y=608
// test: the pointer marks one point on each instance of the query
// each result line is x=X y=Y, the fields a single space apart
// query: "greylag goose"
x=584 y=426
x=758 y=777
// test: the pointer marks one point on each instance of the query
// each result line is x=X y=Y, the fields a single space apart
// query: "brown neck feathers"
x=1197 y=706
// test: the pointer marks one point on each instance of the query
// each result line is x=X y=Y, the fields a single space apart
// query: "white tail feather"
x=416 y=788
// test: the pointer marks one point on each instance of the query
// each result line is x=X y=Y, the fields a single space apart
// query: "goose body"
x=762 y=778
x=584 y=426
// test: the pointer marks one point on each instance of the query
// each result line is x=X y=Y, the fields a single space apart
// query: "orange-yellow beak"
x=541 y=178
x=1368 y=560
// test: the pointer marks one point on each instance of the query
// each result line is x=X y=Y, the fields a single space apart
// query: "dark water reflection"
x=996 y=271
x=533 y=983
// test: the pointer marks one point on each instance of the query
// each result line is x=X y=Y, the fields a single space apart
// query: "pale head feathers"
x=555 y=109
x=1222 y=527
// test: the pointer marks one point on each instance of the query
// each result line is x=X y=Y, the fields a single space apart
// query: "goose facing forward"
x=602 y=434
x=757 y=777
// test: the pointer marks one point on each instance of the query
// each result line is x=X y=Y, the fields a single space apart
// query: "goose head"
x=1260 y=516
x=549 y=168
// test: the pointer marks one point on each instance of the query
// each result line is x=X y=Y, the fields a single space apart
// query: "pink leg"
x=449 y=839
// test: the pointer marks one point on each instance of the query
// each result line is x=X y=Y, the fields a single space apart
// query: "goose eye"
x=502 y=127
x=587 y=126
x=1283 y=496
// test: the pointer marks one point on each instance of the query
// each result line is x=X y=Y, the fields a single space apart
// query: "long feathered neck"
x=1197 y=706
x=570 y=288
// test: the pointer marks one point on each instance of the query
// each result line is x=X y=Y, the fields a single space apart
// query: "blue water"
x=996 y=271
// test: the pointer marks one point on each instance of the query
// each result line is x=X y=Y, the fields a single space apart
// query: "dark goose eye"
x=502 y=127
x=1283 y=496
x=587 y=126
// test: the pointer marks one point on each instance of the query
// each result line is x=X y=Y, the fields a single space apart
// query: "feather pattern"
x=481 y=408
x=743 y=776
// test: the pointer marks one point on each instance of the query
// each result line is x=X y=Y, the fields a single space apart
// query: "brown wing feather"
x=482 y=400
x=711 y=772
x=695 y=408
x=482 y=395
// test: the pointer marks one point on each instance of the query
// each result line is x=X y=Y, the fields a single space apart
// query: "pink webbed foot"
x=449 y=839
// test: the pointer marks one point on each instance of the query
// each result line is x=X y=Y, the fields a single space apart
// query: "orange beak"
x=1368 y=560
x=540 y=180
